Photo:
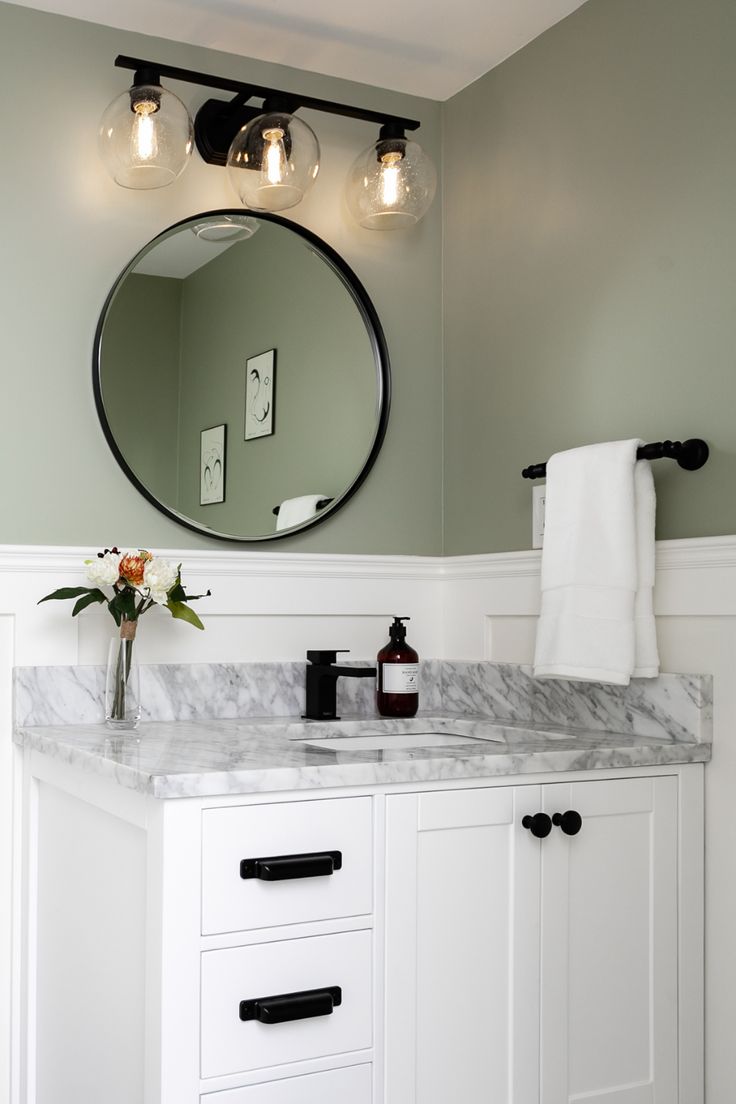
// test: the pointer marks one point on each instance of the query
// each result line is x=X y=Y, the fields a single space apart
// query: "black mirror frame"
x=380 y=355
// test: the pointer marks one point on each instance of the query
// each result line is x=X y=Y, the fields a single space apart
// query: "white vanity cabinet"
x=523 y=970
x=179 y=953
x=462 y=957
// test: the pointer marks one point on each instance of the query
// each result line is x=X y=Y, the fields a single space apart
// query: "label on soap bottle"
x=400 y=678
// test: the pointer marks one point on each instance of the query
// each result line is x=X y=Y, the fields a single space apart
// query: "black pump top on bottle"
x=397 y=631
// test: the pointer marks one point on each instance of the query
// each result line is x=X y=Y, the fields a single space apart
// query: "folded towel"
x=646 y=656
x=293 y=511
x=597 y=621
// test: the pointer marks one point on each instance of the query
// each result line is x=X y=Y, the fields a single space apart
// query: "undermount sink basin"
x=415 y=732
x=385 y=740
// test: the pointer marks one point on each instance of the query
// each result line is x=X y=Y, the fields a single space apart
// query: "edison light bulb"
x=390 y=178
x=276 y=166
x=143 y=135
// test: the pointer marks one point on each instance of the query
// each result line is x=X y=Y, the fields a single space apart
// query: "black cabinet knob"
x=539 y=825
x=570 y=822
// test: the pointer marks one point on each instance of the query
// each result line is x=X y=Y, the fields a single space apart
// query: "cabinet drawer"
x=333 y=1087
x=295 y=966
x=300 y=828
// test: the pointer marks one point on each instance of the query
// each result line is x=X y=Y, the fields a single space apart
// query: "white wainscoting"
x=275 y=606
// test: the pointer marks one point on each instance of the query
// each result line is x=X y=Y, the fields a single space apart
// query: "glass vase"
x=122 y=685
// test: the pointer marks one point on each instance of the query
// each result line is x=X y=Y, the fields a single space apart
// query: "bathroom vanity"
x=242 y=911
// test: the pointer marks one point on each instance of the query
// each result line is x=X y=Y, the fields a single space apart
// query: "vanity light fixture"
x=392 y=183
x=272 y=155
x=146 y=135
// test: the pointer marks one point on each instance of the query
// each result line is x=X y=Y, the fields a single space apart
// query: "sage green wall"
x=590 y=262
x=140 y=378
x=273 y=292
x=69 y=230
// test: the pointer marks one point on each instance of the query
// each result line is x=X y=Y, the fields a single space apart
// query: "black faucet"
x=322 y=676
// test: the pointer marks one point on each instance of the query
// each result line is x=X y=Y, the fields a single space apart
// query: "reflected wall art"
x=212 y=465
x=259 y=394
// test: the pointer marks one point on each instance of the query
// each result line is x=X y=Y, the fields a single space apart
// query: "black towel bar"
x=690 y=455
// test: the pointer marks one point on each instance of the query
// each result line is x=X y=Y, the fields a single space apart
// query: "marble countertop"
x=219 y=757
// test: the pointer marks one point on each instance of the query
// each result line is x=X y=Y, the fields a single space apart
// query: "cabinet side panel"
x=91 y=920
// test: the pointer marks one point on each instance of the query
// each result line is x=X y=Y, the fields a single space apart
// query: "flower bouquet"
x=139 y=581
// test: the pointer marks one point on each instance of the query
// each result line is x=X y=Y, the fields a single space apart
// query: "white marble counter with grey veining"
x=213 y=758
x=212 y=729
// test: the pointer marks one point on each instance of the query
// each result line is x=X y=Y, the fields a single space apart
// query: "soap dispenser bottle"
x=397 y=692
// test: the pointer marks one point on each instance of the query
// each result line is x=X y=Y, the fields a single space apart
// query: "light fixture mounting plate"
x=216 y=124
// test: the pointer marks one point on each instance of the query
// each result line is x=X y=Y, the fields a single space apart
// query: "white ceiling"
x=423 y=47
x=179 y=256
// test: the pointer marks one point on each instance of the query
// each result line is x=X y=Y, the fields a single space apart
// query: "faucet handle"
x=325 y=659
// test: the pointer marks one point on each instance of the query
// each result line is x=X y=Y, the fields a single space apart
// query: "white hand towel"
x=646 y=656
x=597 y=622
x=293 y=511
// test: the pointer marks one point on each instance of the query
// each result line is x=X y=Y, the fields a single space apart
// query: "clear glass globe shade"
x=146 y=137
x=226 y=228
x=391 y=185
x=273 y=161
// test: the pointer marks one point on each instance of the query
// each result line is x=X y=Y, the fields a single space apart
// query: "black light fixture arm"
x=218 y=121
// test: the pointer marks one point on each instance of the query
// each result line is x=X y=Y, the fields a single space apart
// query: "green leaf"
x=176 y=594
x=123 y=605
x=87 y=600
x=66 y=592
x=184 y=613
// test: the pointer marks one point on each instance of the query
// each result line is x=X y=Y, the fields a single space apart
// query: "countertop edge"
x=427 y=769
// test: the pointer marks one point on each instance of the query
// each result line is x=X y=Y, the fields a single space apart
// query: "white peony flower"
x=104 y=570
x=159 y=576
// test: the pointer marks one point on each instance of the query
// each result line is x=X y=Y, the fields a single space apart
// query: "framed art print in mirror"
x=260 y=372
x=212 y=465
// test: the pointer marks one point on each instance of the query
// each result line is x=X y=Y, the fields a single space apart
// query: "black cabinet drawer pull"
x=314 y=864
x=570 y=822
x=539 y=825
x=292 y=1006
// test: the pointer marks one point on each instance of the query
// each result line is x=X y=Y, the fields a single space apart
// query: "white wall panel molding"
x=275 y=605
x=47 y=559
x=703 y=552
x=492 y=565
x=674 y=555
x=491 y=602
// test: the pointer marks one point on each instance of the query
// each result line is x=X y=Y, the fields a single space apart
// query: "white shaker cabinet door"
x=462 y=948
x=609 y=944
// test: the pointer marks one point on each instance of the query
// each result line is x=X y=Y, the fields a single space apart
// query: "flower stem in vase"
x=122 y=692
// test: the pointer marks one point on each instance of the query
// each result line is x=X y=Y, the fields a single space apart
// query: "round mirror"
x=241 y=376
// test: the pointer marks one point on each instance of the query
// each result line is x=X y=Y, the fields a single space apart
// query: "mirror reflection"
x=241 y=376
